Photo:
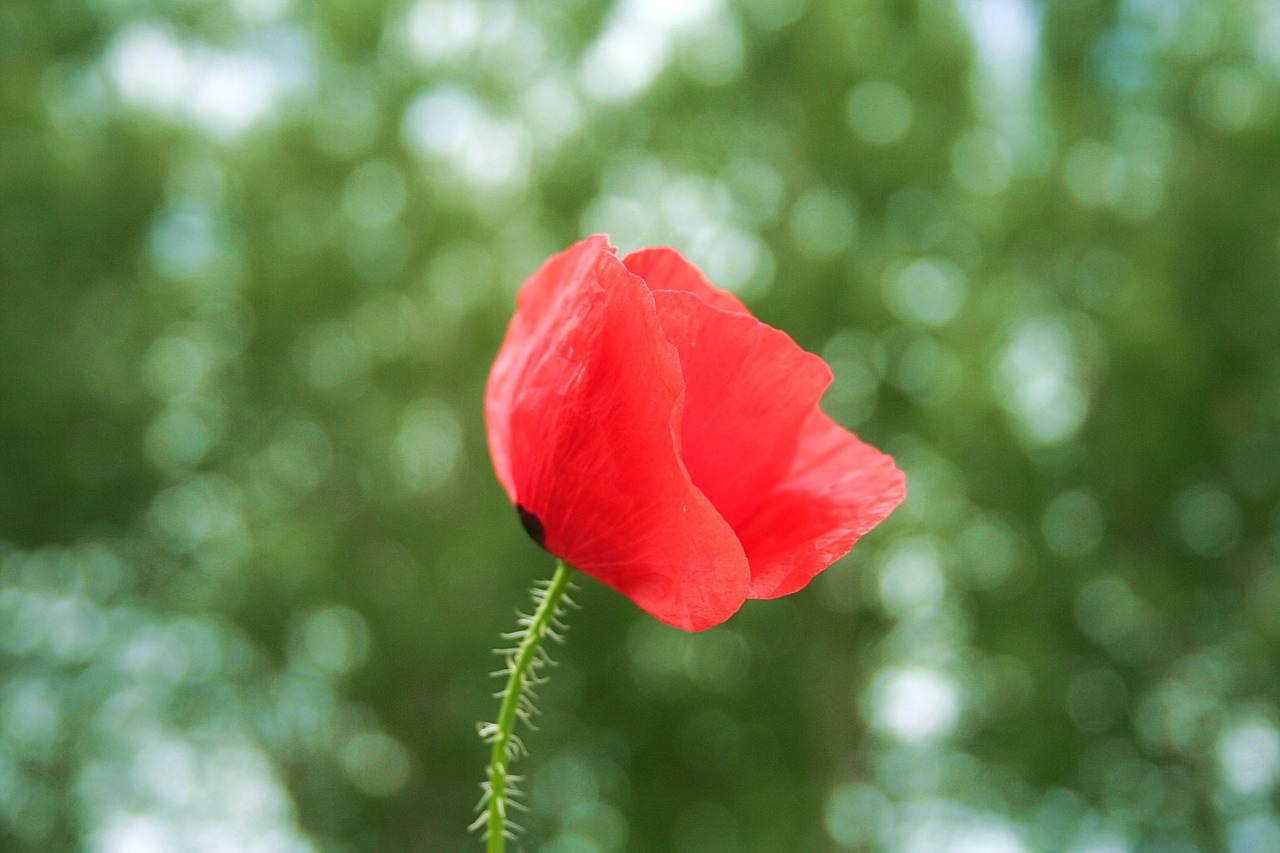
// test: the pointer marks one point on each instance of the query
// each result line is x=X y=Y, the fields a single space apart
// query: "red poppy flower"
x=656 y=436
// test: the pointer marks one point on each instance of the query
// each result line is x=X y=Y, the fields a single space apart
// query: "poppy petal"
x=664 y=268
x=545 y=300
x=837 y=489
x=592 y=399
x=748 y=389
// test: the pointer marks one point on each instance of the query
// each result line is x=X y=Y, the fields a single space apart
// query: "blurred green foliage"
x=256 y=257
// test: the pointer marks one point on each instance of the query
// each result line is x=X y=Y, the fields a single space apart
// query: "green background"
x=256 y=258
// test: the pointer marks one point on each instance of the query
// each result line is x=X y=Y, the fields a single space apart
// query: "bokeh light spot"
x=822 y=222
x=376 y=763
x=1037 y=381
x=334 y=639
x=1073 y=524
x=855 y=815
x=1106 y=609
x=374 y=194
x=879 y=112
x=1208 y=519
x=912 y=578
x=928 y=291
x=915 y=703
x=1249 y=756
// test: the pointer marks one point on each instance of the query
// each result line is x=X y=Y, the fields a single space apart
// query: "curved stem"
x=523 y=664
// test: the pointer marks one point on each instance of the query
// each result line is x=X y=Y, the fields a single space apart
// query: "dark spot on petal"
x=533 y=526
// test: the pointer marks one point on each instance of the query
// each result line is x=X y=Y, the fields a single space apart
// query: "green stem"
x=523 y=664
